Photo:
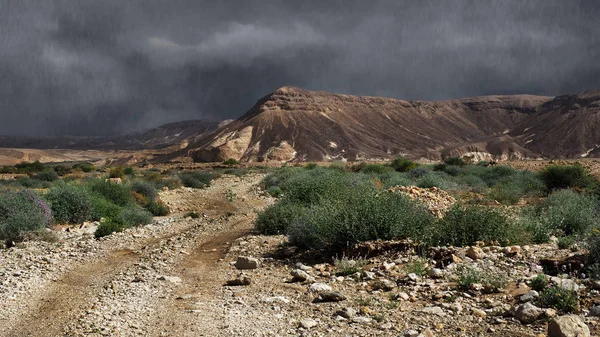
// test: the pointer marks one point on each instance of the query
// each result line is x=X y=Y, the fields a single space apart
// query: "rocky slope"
x=297 y=124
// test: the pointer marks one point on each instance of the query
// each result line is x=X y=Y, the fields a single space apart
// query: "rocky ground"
x=211 y=276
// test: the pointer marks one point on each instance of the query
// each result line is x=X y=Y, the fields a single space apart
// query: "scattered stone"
x=595 y=311
x=383 y=284
x=299 y=275
x=568 y=326
x=475 y=253
x=528 y=313
x=276 y=299
x=346 y=313
x=411 y=333
x=435 y=273
x=308 y=323
x=330 y=296
x=360 y=319
x=245 y=262
x=241 y=280
x=302 y=266
x=319 y=287
x=427 y=333
x=172 y=279
x=479 y=313
x=530 y=296
x=434 y=311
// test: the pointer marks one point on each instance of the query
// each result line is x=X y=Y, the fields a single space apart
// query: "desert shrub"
x=539 y=282
x=569 y=211
x=21 y=212
x=436 y=179
x=127 y=171
x=308 y=187
x=453 y=170
x=276 y=218
x=467 y=275
x=418 y=266
x=564 y=300
x=62 y=170
x=565 y=242
x=103 y=208
x=455 y=161
x=472 y=182
x=375 y=169
x=157 y=208
x=32 y=183
x=506 y=193
x=117 y=172
x=465 y=225
x=119 y=194
x=146 y=189
x=402 y=164
x=193 y=215
x=311 y=166
x=107 y=227
x=537 y=230
x=84 y=167
x=593 y=245
x=566 y=176
x=347 y=266
x=238 y=172
x=47 y=175
x=133 y=216
x=275 y=191
x=338 y=165
x=396 y=179
x=417 y=173
x=359 y=216
x=34 y=167
x=196 y=179
x=69 y=203
x=231 y=162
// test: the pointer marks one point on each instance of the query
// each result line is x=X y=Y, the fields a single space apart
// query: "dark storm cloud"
x=102 y=67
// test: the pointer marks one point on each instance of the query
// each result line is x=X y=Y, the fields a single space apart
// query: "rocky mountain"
x=157 y=138
x=297 y=124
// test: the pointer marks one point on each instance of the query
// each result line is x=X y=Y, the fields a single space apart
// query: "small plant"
x=539 y=282
x=128 y=171
x=47 y=175
x=277 y=218
x=19 y=213
x=491 y=280
x=197 y=179
x=146 y=189
x=346 y=266
x=134 y=216
x=566 y=242
x=379 y=318
x=84 y=167
x=564 y=300
x=107 y=227
x=157 y=208
x=417 y=266
x=402 y=164
x=231 y=162
x=117 y=172
x=275 y=191
x=363 y=301
x=118 y=194
x=193 y=215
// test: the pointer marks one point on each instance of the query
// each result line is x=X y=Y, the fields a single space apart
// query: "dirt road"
x=145 y=282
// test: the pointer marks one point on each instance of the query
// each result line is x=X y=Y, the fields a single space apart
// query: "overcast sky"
x=102 y=67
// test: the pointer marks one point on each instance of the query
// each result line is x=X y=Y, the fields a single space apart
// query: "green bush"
x=564 y=300
x=357 y=216
x=157 y=208
x=568 y=211
x=375 y=169
x=402 y=164
x=69 y=203
x=566 y=176
x=146 y=189
x=103 y=208
x=62 y=170
x=308 y=187
x=34 y=167
x=196 y=179
x=84 y=167
x=32 y=183
x=117 y=172
x=455 y=161
x=593 y=245
x=276 y=218
x=231 y=162
x=47 y=175
x=118 y=194
x=275 y=191
x=107 y=227
x=565 y=242
x=128 y=171
x=539 y=282
x=133 y=216
x=19 y=213
x=464 y=225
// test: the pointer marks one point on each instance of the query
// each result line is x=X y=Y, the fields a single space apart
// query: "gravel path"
x=150 y=281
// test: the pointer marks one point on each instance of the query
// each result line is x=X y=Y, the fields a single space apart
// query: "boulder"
x=528 y=313
x=568 y=326
x=245 y=262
